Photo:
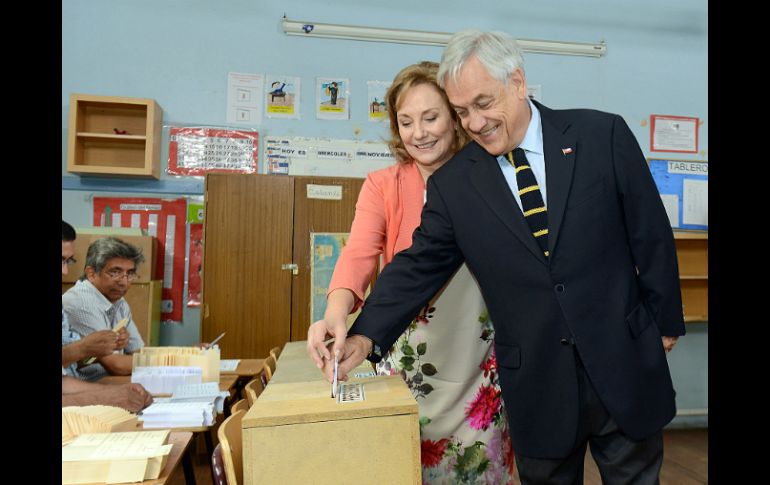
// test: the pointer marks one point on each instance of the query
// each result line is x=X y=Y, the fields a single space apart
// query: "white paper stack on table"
x=178 y=415
x=165 y=379
x=228 y=365
x=77 y=420
x=206 y=359
x=115 y=457
x=205 y=392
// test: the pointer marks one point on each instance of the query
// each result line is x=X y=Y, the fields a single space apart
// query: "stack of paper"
x=228 y=365
x=206 y=359
x=207 y=392
x=163 y=380
x=115 y=457
x=77 y=420
x=178 y=415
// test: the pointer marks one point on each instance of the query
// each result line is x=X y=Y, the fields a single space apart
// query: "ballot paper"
x=205 y=392
x=165 y=379
x=178 y=415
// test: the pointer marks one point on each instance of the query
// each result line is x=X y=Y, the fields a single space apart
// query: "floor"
x=685 y=461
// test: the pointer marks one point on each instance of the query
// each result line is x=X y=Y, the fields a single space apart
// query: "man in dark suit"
x=558 y=218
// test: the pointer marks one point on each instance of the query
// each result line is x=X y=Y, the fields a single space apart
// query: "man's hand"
x=98 y=344
x=669 y=342
x=355 y=350
x=122 y=341
x=318 y=333
x=131 y=397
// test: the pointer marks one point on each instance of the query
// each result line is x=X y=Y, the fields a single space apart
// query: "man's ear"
x=90 y=273
x=518 y=83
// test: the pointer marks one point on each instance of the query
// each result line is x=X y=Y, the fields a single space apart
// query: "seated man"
x=131 y=397
x=97 y=344
x=96 y=302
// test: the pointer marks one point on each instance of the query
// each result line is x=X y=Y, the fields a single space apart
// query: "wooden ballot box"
x=297 y=433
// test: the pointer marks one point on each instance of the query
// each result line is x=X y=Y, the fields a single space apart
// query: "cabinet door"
x=316 y=215
x=247 y=237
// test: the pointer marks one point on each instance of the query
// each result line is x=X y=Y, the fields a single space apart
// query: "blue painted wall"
x=180 y=51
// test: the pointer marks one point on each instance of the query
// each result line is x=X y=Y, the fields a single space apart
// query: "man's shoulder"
x=78 y=295
x=575 y=117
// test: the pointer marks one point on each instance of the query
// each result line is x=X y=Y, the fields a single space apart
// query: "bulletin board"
x=683 y=186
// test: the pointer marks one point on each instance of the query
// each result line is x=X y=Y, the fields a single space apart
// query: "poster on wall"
x=325 y=248
x=673 y=134
x=378 y=108
x=328 y=157
x=332 y=98
x=195 y=266
x=164 y=219
x=198 y=150
x=244 y=98
x=282 y=97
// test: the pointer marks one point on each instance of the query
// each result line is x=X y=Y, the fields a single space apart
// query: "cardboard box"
x=294 y=419
x=144 y=301
x=148 y=244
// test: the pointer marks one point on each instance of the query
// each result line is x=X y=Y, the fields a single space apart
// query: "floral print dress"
x=447 y=359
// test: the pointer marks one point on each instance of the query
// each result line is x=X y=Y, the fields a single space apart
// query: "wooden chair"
x=231 y=439
x=242 y=404
x=253 y=389
x=275 y=352
x=269 y=367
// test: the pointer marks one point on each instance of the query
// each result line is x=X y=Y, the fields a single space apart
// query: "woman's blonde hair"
x=410 y=76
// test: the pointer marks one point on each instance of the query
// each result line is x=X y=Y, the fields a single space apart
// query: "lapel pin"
x=566 y=151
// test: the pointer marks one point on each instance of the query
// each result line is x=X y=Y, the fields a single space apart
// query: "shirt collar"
x=533 y=139
x=104 y=303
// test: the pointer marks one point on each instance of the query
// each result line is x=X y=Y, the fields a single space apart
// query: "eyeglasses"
x=117 y=274
x=68 y=261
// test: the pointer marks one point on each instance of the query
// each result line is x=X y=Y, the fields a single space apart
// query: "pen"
x=216 y=339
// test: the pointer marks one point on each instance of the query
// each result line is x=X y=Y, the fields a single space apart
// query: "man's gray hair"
x=103 y=249
x=498 y=52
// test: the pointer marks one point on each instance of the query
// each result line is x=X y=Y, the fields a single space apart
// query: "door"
x=247 y=238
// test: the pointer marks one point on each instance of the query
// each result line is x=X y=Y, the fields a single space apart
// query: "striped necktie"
x=532 y=204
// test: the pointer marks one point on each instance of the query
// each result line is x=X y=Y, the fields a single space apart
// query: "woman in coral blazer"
x=446 y=355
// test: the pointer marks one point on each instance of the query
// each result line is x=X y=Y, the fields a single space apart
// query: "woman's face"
x=426 y=126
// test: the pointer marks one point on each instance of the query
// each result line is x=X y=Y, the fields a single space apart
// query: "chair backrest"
x=253 y=390
x=242 y=404
x=269 y=367
x=218 y=466
x=230 y=437
x=275 y=352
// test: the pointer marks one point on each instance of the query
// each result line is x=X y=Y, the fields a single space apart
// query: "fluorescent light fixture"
x=402 y=36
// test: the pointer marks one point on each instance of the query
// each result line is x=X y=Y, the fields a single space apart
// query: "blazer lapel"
x=489 y=182
x=559 y=149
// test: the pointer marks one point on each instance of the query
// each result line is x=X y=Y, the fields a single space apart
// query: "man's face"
x=494 y=114
x=114 y=279
x=67 y=250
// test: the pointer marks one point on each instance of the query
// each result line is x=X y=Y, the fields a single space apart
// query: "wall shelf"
x=113 y=135
x=692 y=249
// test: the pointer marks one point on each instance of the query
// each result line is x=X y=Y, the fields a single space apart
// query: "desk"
x=181 y=442
x=246 y=368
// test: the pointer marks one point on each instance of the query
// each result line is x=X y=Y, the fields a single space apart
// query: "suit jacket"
x=609 y=289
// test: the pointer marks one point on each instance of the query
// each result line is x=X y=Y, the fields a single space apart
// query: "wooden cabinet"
x=112 y=135
x=255 y=228
x=692 y=249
